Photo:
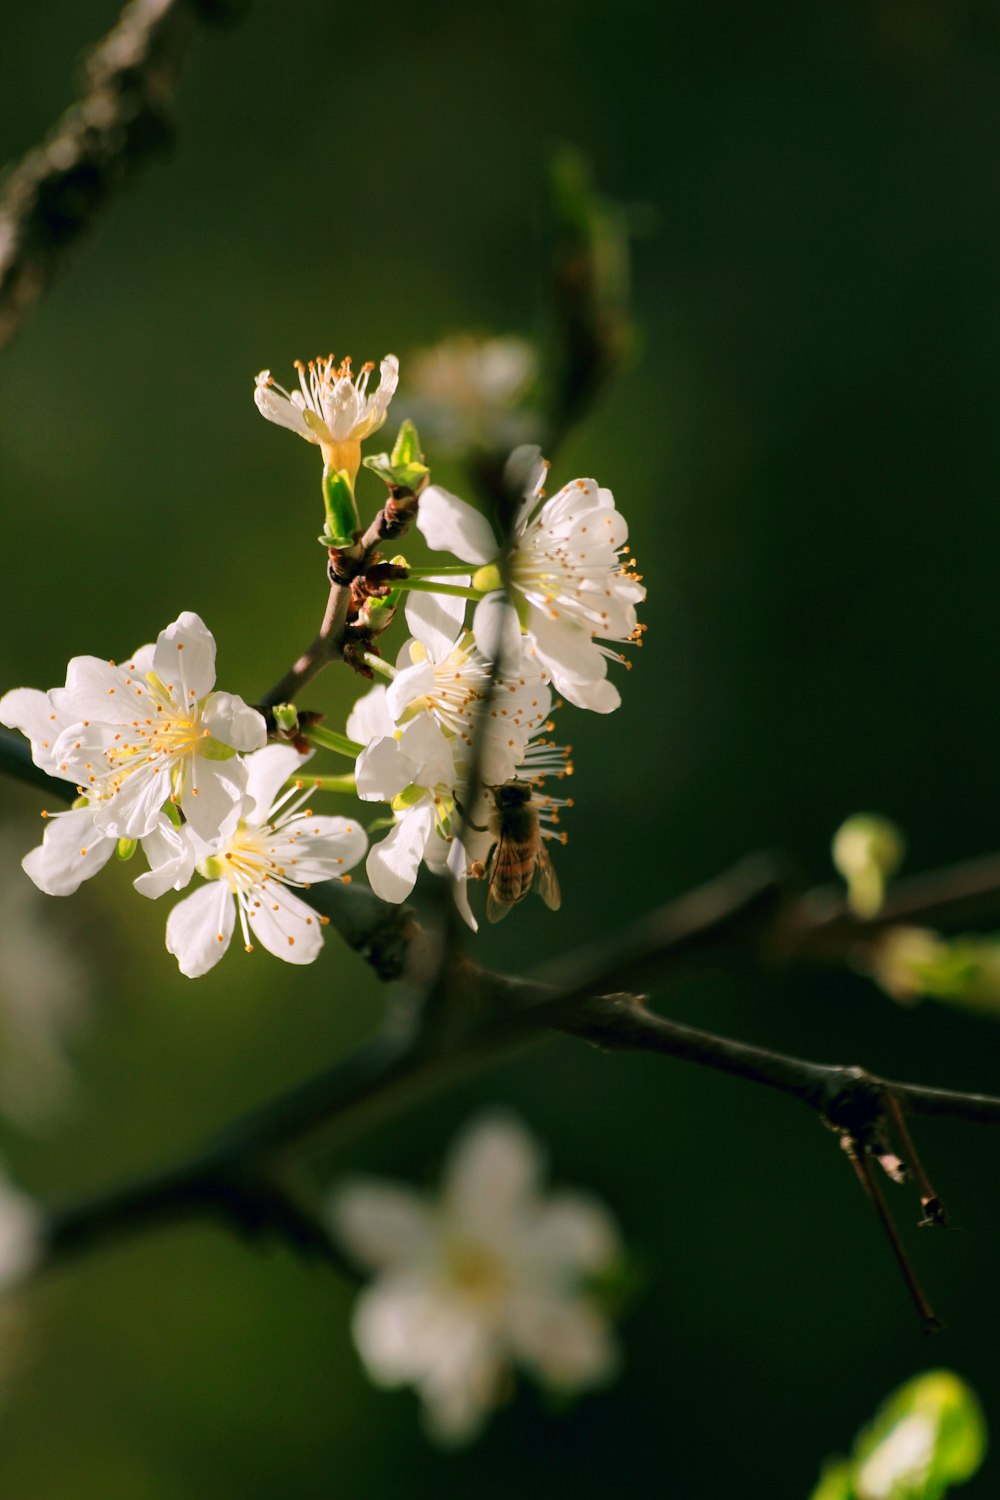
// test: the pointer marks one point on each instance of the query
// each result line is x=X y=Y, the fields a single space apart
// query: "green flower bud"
x=867 y=849
x=342 y=519
x=286 y=718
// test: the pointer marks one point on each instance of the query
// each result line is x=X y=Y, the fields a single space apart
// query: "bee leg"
x=477 y=870
x=479 y=827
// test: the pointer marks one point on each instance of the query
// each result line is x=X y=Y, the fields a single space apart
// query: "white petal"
x=200 y=926
x=573 y=1231
x=380 y=1224
x=171 y=860
x=392 y=865
x=411 y=682
x=267 y=772
x=233 y=722
x=437 y=619
x=492 y=1170
x=457 y=864
x=369 y=719
x=212 y=795
x=448 y=524
x=566 y=1340
x=30 y=711
x=276 y=409
x=577 y=666
x=320 y=848
x=96 y=690
x=429 y=753
x=184 y=659
x=21 y=1234
x=133 y=811
x=71 y=851
x=382 y=770
x=497 y=631
x=284 y=925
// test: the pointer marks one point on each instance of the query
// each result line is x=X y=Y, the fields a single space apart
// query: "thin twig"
x=55 y=193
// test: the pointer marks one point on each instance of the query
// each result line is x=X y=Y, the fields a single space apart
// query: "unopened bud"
x=867 y=849
x=286 y=719
x=341 y=508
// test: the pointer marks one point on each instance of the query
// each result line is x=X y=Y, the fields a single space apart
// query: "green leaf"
x=835 y=1483
x=341 y=508
x=406 y=448
x=407 y=475
x=928 y=1436
x=925 y=1438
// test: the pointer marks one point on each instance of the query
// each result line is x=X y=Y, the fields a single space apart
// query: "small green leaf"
x=341 y=508
x=406 y=448
x=286 y=719
x=928 y=1436
x=407 y=475
x=835 y=1483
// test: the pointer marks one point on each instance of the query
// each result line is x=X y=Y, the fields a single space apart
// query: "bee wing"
x=546 y=882
x=511 y=877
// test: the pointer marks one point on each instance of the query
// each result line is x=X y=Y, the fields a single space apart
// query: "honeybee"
x=518 y=861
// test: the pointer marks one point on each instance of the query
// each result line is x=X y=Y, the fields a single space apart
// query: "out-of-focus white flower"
x=491 y=1274
x=43 y=1001
x=275 y=847
x=136 y=736
x=572 y=590
x=331 y=408
x=468 y=388
x=20 y=1233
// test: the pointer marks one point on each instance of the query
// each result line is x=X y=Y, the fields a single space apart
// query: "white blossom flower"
x=44 y=994
x=330 y=408
x=572 y=589
x=73 y=847
x=442 y=672
x=133 y=737
x=21 y=1233
x=469 y=389
x=493 y=1274
x=278 y=845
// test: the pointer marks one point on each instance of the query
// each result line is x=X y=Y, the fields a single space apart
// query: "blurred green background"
x=807 y=449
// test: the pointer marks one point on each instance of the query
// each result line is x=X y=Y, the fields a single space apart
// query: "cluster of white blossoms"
x=491 y=1274
x=160 y=759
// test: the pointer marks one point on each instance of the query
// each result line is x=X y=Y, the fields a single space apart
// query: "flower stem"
x=345 y=783
x=329 y=739
x=424 y=586
x=449 y=568
x=379 y=665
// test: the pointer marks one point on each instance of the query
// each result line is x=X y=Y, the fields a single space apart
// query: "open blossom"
x=277 y=846
x=151 y=731
x=572 y=590
x=73 y=847
x=331 y=408
x=469 y=389
x=493 y=1274
x=418 y=735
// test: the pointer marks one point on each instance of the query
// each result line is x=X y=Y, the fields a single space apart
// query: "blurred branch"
x=747 y=918
x=54 y=194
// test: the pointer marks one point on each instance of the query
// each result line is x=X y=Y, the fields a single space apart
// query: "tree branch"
x=54 y=194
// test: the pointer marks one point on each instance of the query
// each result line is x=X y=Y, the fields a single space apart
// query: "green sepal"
x=286 y=718
x=404 y=468
x=215 y=749
x=341 y=508
x=125 y=848
x=406 y=449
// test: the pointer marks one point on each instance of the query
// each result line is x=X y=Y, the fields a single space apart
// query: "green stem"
x=466 y=568
x=329 y=739
x=345 y=783
x=380 y=665
x=424 y=586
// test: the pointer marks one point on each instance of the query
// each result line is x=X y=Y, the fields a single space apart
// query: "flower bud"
x=867 y=849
